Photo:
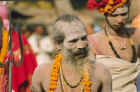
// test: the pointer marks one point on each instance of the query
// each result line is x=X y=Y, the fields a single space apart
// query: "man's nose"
x=82 y=44
x=120 y=20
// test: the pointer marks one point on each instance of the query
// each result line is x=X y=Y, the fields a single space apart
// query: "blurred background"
x=46 y=11
x=35 y=19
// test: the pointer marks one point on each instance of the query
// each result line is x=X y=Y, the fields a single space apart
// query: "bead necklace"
x=55 y=74
x=65 y=80
x=134 y=57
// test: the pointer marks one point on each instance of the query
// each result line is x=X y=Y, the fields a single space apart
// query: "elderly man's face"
x=75 y=42
x=118 y=18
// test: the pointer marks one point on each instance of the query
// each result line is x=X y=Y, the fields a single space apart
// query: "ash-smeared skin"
x=116 y=28
x=118 y=19
x=74 y=64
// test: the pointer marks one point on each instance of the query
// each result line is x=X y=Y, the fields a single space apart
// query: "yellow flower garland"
x=55 y=74
x=4 y=49
x=86 y=82
x=109 y=9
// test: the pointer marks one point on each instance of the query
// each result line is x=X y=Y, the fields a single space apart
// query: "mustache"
x=125 y=30
x=121 y=25
x=81 y=51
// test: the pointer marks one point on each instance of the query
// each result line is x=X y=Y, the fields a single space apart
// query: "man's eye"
x=124 y=14
x=84 y=38
x=114 y=15
x=74 y=40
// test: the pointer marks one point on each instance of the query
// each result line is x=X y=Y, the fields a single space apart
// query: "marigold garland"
x=1 y=71
x=4 y=49
x=86 y=82
x=55 y=74
x=106 y=6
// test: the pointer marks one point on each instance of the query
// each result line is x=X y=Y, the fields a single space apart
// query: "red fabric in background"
x=20 y=73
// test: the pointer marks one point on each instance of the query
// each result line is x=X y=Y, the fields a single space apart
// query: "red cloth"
x=20 y=73
x=100 y=4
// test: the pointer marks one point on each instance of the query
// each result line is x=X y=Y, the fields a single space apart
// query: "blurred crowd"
x=39 y=37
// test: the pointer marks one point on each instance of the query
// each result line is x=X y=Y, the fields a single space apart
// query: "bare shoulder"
x=136 y=36
x=97 y=36
x=137 y=32
x=101 y=77
x=42 y=71
x=101 y=72
x=95 y=40
x=40 y=76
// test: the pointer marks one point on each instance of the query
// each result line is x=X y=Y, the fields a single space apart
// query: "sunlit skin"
x=75 y=60
x=118 y=18
x=75 y=42
x=136 y=22
x=89 y=29
x=115 y=29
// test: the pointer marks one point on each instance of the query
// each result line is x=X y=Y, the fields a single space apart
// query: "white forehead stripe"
x=68 y=27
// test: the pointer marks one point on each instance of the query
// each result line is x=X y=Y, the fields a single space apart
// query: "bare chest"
x=121 y=48
x=77 y=86
x=70 y=82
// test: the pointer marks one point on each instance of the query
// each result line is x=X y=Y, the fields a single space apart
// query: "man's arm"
x=104 y=76
x=106 y=82
x=36 y=83
x=40 y=79
x=36 y=88
x=136 y=37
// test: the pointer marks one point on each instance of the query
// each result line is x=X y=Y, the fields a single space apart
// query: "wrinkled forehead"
x=72 y=29
x=120 y=10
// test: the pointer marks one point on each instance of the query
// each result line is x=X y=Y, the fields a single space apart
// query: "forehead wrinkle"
x=72 y=29
x=76 y=35
x=64 y=25
x=61 y=26
x=75 y=31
